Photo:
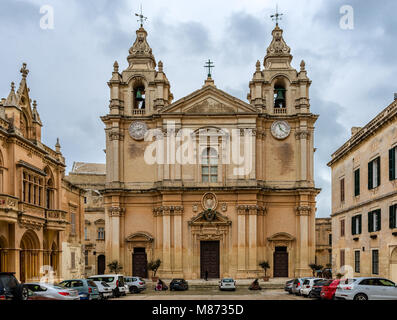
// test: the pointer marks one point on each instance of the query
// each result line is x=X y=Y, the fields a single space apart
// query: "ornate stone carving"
x=209 y=201
x=278 y=47
x=113 y=135
x=224 y=207
x=250 y=210
x=116 y=211
x=168 y=210
x=303 y=211
x=302 y=134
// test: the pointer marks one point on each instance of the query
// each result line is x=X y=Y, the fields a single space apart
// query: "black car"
x=11 y=289
x=288 y=286
x=179 y=285
x=316 y=290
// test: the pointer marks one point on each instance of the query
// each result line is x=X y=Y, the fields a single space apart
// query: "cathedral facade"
x=210 y=183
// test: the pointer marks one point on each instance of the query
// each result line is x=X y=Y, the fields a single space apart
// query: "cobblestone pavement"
x=213 y=294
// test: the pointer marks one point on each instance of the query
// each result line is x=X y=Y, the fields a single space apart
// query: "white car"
x=227 y=284
x=114 y=281
x=368 y=288
x=307 y=286
x=105 y=292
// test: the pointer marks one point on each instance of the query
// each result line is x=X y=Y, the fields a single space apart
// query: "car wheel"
x=360 y=296
x=24 y=293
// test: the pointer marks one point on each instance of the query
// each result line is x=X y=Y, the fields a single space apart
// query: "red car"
x=328 y=292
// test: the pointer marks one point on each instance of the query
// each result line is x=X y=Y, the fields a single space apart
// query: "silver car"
x=227 y=284
x=297 y=285
x=45 y=291
x=135 y=284
x=366 y=288
x=105 y=292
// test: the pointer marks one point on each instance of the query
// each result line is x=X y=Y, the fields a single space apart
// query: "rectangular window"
x=393 y=216
x=330 y=256
x=374 y=173
x=392 y=164
x=357 y=261
x=342 y=258
x=342 y=228
x=342 y=190
x=86 y=257
x=357 y=182
x=330 y=239
x=73 y=223
x=356 y=224
x=73 y=260
x=85 y=233
x=101 y=233
x=374 y=221
x=375 y=262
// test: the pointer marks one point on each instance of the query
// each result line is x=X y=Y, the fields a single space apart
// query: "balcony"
x=8 y=208
x=55 y=220
x=138 y=112
x=280 y=110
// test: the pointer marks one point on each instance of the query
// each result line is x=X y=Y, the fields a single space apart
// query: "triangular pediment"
x=209 y=100
x=218 y=219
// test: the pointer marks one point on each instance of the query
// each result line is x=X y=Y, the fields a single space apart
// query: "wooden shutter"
x=378 y=220
x=342 y=190
x=357 y=182
x=392 y=216
x=370 y=222
x=360 y=224
x=392 y=164
x=378 y=169
x=370 y=175
x=353 y=225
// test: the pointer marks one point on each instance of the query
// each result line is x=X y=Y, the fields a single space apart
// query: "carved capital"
x=303 y=211
x=116 y=211
x=302 y=134
x=168 y=211
x=113 y=135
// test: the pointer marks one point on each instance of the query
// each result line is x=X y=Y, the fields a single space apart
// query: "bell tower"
x=140 y=89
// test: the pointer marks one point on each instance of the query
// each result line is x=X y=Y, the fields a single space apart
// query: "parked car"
x=11 y=289
x=46 y=291
x=328 y=292
x=307 y=286
x=288 y=286
x=115 y=282
x=105 y=292
x=317 y=287
x=179 y=285
x=135 y=284
x=86 y=288
x=227 y=284
x=366 y=289
x=296 y=287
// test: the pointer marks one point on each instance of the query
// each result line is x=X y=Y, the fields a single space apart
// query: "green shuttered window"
x=392 y=164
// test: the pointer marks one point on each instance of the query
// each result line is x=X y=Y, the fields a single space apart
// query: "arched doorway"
x=393 y=265
x=280 y=262
x=29 y=256
x=54 y=258
x=101 y=264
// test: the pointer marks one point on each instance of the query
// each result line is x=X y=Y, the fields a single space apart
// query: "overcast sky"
x=352 y=71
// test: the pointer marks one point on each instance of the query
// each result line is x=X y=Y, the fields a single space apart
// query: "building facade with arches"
x=39 y=211
x=210 y=182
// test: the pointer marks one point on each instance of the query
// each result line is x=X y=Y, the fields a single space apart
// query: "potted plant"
x=265 y=265
x=115 y=267
x=154 y=266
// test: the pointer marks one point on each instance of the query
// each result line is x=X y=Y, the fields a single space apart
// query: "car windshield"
x=91 y=283
x=227 y=280
x=347 y=281
x=103 y=283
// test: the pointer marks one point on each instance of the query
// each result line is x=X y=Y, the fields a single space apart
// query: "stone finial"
x=303 y=65
x=160 y=64
x=24 y=71
x=258 y=66
x=34 y=104
x=116 y=67
x=58 y=146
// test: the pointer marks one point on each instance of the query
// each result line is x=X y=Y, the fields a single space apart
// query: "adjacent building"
x=323 y=242
x=364 y=199
x=40 y=214
x=241 y=191
x=91 y=178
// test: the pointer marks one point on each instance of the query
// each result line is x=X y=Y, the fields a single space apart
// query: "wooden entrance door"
x=280 y=262
x=209 y=259
x=101 y=264
x=139 y=263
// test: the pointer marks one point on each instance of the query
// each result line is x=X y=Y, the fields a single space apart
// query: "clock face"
x=137 y=130
x=280 y=129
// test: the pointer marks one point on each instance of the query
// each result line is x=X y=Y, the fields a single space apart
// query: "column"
x=241 y=239
x=252 y=238
x=178 y=241
x=166 y=241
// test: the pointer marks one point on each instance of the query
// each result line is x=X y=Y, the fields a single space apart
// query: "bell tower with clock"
x=280 y=93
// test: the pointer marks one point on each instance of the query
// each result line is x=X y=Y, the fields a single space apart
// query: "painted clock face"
x=137 y=130
x=280 y=129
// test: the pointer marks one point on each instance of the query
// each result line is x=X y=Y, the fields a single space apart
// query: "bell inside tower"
x=139 y=97
x=279 y=97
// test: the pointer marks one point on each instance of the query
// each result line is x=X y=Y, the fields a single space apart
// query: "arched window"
x=279 y=96
x=23 y=125
x=139 y=95
x=209 y=165
x=49 y=189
